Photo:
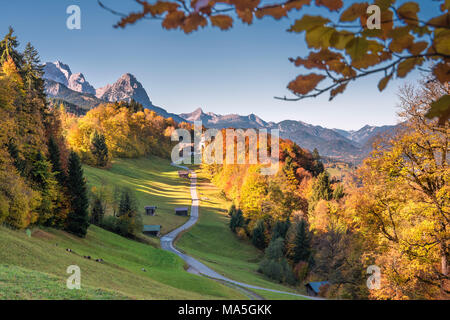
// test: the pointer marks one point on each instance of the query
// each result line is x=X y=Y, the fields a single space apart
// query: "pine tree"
x=318 y=167
x=237 y=220
x=232 y=210
x=322 y=187
x=55 y=160
x=33 y=70
x=258 y=236
x=40 y=172
x=99 y=149
x=338 y=192
x=77 y=222
x=127 y=204
x=302 y=243
x=97 y=212
x=280 y=229
x=13 y=151
x=8 y=48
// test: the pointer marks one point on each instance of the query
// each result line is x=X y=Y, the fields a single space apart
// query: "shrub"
x=240 y=232
x=301 y=270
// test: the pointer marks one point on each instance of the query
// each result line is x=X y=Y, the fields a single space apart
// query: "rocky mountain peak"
x=78 y=83
x=58 y=72
x=127 y=87
x=61 y=73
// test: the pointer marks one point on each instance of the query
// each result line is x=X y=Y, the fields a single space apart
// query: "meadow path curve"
x=196 y=266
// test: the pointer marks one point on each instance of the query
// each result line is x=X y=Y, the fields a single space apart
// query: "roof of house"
x=150 y=228
x=316 y=285
x=182 y=209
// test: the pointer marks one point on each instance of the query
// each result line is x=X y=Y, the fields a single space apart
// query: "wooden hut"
x=152 y=230
x=313 y=288
x=150 y=210
x=183 y=174
x=184 y=211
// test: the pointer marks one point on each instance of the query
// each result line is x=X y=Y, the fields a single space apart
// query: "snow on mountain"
x=212 y=120
x=78 y=83
x=61 y=73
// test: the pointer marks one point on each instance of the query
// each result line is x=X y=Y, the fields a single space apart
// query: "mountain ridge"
x=352 y=145
x=74 y=88
x=347 y=145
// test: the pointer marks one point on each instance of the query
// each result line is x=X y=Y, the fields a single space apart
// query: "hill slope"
x=118 y=277
x=212 y=242
x=155 y=183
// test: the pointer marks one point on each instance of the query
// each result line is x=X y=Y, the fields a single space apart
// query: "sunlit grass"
x=212 y=242
x=155 y=183
x=120 y=276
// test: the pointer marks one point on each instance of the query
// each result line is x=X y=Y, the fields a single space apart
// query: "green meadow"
x=212 y=242
x=155 y=183
x=35 y=268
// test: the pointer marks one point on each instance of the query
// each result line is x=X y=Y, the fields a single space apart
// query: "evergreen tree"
x=55 y=160
x=40 y=172
x=232 y=210
x=275 y=265
x=135 y=106
x=15 y=155
x=322 y=187
x=127 y=205
x=338 y=192
x=98 y=211
x=237 y=220
x=315 y=154
x=77 y=222
x=99 y=149
x=258 y=236
x=8 y=48
x=280 y=229
x=302 y=243
x=318 y=167
x=33 y=71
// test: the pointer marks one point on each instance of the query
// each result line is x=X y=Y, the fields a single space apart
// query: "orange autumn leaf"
x=332 y=5
x=277 y=12
x=296 y=4
x=193 y=22
x=353 y=12
x=305 y=84
x=245 y=15
x=442 y=72
x=340 y=89
x=222 y=21
x=383 y=82
x=173 y=20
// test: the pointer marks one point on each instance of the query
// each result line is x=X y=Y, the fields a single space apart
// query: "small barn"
x=150 y=210
x=183 y=174
x=313 y=288
x=152 y=230
x=184 y=211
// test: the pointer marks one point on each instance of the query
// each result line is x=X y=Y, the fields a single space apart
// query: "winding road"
x=196 y=266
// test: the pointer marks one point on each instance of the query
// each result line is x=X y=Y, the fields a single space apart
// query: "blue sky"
x=236 y=71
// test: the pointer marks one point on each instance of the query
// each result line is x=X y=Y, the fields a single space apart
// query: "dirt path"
x=196 y=266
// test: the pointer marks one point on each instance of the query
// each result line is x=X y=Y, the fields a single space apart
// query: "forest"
x=391 y=212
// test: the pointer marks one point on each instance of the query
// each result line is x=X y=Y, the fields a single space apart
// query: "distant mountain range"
x=336 y=143
x=73 y=88
x=345 y=145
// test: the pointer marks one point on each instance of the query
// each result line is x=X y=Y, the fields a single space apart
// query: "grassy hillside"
x=155 y=182
x=212 y=242
x=35 y=268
